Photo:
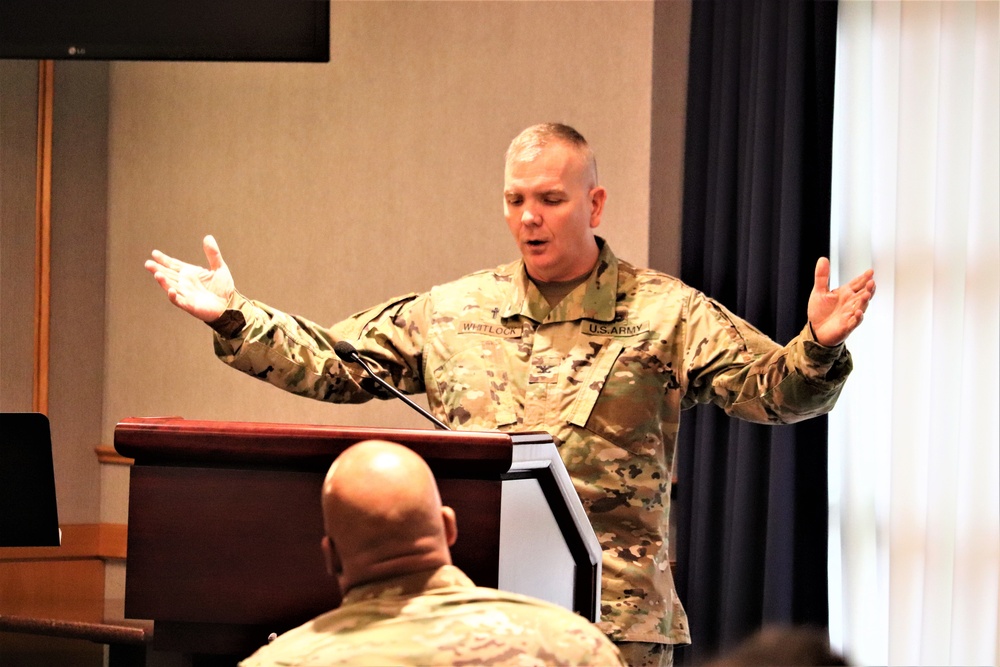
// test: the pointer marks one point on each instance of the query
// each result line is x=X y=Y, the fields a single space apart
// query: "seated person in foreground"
x=782 y=646
x=387 y=542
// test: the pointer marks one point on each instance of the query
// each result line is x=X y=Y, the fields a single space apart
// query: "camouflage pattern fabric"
x=606 y=372
x=440 y=618
x=646 y=654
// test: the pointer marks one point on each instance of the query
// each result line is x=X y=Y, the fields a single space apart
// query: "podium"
x=225 y=524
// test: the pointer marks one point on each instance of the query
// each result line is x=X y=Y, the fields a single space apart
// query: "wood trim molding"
x=106 y=541
x=112 y=540
x=106 y=454
x=43 y=236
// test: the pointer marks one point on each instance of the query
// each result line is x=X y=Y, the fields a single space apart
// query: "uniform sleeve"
x=297 y=355
x=735 y=366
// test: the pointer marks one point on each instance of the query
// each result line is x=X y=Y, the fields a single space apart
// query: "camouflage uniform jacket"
x=606 y=372
x=440 y=617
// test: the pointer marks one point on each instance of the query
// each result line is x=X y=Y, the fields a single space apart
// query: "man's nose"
x=528 y=216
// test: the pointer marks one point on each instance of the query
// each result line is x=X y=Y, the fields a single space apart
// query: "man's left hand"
x=834 y=314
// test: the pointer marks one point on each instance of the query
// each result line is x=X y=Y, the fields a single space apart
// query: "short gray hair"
x=530 y=142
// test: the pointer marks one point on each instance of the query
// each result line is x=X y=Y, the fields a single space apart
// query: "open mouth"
x=535 y=243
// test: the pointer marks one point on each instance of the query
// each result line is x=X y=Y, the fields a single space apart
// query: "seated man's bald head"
x=383 y=515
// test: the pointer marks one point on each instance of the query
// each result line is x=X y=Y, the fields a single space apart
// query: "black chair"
x=28 y=516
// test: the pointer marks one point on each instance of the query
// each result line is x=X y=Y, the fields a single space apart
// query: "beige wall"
x=79 y=219
x=18 y=114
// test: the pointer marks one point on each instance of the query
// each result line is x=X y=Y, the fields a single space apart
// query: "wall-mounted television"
x=226 y=30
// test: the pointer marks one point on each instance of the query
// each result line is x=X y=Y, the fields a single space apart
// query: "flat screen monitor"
x=227 y=30
x=28 y=516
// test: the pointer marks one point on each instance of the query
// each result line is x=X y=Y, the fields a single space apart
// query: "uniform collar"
x=409 y=584
x=593 y=300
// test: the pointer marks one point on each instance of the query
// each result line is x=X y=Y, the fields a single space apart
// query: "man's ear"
x=598 y=196
x=330 y=557
x=450 y=525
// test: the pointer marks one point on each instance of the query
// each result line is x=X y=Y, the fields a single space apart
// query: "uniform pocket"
x=474 y=387
x=623 y=401
x=591 y=382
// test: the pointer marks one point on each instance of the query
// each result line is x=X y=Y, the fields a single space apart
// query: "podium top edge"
x=175 y=439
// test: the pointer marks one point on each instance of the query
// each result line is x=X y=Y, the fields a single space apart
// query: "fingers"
x=862 y=295
x=212 y=253
x=168 y=271
x=863 y=281
x=862 y=286
x=857 y=303
x=166 y=261
x=172 y=274
x=173 y=296
x=852 y=320
x=163 y=275
x=165 y=269
x=166 y=282
x=163 y=265
x=821 y=282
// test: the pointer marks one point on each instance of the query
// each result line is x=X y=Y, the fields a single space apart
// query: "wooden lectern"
x=225 y=524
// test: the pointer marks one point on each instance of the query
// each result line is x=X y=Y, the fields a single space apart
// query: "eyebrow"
x=543 y=193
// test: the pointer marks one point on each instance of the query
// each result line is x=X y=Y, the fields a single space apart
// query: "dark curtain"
x=751 y=503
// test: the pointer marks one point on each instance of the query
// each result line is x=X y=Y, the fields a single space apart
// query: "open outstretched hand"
x=202 y=292
x=834 y=314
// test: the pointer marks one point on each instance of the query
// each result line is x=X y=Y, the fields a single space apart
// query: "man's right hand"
x=202 y=292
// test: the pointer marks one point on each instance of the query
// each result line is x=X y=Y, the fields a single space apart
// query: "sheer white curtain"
x=915 y=439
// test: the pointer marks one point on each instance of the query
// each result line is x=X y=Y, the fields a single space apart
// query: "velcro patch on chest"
x=616 y=329
x=489 y=329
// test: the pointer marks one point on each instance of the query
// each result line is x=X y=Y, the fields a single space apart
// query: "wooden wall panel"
x=65 y=582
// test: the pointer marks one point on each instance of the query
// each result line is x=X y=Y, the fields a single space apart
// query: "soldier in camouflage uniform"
x=387 y=539
x=569 y=340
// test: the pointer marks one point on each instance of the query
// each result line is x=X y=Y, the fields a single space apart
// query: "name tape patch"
x=489 y=329
x=619 y=329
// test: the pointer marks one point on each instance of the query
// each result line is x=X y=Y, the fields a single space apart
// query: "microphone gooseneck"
x=348 y=353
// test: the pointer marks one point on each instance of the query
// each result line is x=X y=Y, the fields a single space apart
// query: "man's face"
x=552 y=207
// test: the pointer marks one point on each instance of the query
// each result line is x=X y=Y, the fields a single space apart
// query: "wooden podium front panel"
x=477 y=512
x=237 y=557
x=239 y=568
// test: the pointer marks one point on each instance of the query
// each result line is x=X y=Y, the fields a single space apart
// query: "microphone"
x=347 y=353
